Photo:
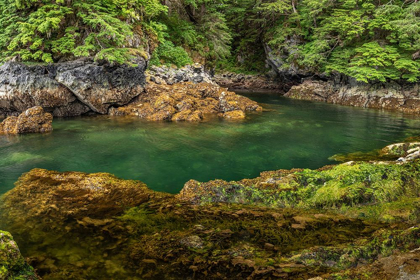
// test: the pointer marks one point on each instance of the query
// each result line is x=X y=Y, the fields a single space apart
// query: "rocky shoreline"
x=404 y=98
x=87 y=87
x=287 y=224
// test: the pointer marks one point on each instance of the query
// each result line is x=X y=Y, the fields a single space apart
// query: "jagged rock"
x=12 y=264
x=168 y=76
x=69 y=88
x=33 y=120
x=186 y=102
x=100 y=86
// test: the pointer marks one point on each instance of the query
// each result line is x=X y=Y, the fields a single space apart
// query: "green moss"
x=12 y=264
x=339 y=187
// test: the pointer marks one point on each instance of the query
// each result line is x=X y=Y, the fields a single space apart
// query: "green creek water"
x=165 y=155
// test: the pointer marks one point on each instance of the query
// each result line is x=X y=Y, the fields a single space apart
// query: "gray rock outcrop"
x=69 y=88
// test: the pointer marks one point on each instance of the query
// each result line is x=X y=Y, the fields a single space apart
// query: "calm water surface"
x=166 y=155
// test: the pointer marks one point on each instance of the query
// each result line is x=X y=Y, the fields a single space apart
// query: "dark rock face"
x=70 y=88
x=33 y=120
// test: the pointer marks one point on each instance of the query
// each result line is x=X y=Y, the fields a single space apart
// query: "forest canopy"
x=370 y=40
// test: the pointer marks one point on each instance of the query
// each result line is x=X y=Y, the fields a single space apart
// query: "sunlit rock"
x=33 y=120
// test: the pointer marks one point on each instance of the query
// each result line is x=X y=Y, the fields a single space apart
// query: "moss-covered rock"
x=12 y=265
x=359 y=186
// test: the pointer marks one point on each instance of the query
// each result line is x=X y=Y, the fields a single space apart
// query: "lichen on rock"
x=33 y=120
x=70 y=88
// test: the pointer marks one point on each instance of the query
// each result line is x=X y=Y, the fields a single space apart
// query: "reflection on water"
x=165 y=155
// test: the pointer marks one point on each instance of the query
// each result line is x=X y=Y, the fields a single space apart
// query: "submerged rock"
x=33 y=120
x=12 y=264
x=187 y=102
x=285 y=224
x=73 y=195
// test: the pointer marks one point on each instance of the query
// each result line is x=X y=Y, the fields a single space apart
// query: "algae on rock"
x=12 y=265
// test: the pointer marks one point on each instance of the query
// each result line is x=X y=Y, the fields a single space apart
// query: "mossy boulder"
x=12 y=265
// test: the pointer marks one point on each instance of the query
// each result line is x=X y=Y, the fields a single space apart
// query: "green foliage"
x=167 y=53
x=368 y=40
x=51 y=30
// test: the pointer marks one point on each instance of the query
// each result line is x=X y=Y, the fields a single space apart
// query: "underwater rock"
x=186 y=101
x=12 y=264
x=69 y=88
x=73 y=195
x=33 y=120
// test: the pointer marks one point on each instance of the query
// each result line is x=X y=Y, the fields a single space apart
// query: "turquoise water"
x=165 y=155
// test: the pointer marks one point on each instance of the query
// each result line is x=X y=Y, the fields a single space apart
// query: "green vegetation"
x=369 y=40
x=12 y=265
x=386 y=192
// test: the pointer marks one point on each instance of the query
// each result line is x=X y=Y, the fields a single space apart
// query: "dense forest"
x=370 y=40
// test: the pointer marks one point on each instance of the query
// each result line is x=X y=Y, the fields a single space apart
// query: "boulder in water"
x=33 y=120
